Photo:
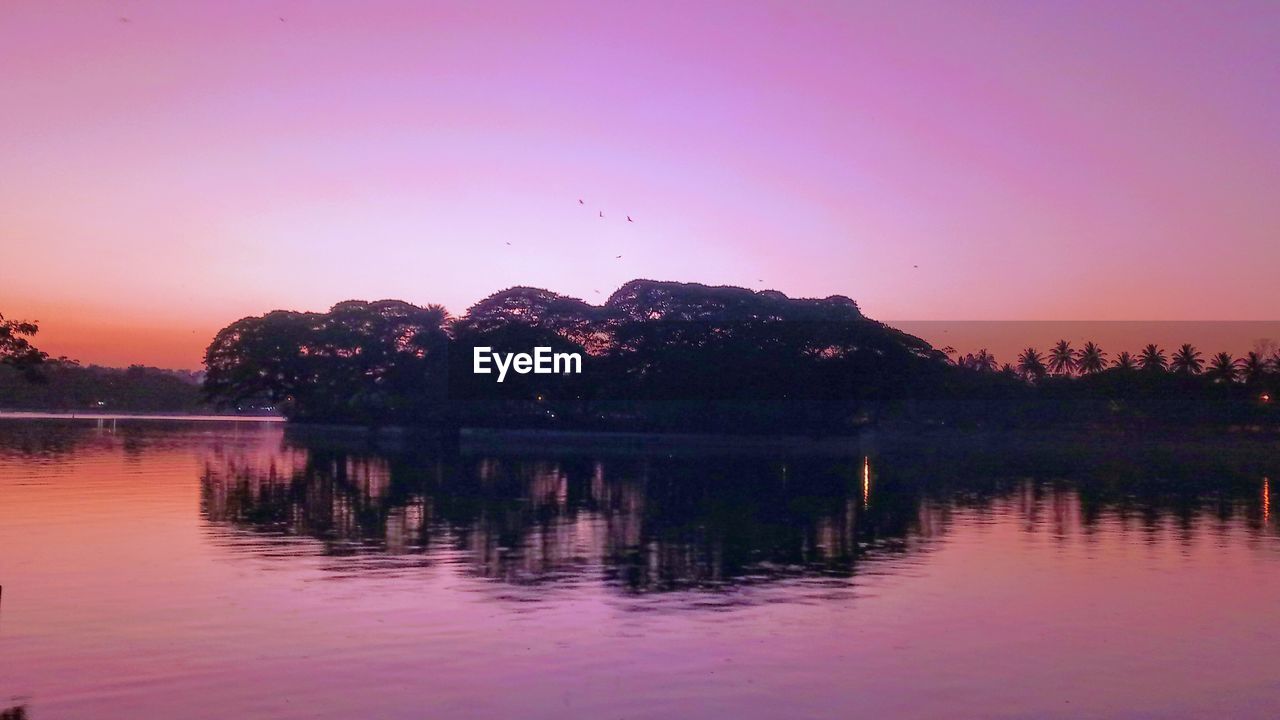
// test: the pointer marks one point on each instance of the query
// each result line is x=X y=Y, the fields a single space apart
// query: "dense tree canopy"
x=687 y=356
x=367 y=362
x=675 y=348
x=68 y=387
x=16 y=349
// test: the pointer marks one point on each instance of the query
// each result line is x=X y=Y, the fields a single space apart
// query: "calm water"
x=235 y=570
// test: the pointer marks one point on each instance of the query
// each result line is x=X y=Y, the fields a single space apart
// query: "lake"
x=157 y=569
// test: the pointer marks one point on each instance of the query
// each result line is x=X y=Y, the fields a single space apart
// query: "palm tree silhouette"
x=1062 y=359
x=984 y=361
x=1223 y=368
x=1152 y=358
x=1031 y=364
x=1125 y=361
x=1090 y=359
x=1187 y=360
x=1253 y=366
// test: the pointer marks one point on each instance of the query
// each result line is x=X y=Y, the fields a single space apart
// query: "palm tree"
x=1125 y=361
x=1061 y=358
x=1090 y=359
x=1187 y=360
x=1031 y=364
x=1253 y=366
x=1223 y=368
x=984 y=361
x=1152 y=358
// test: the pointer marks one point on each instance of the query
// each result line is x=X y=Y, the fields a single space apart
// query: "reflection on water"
x=651 y=524
x=159 y=564
x=646 y=524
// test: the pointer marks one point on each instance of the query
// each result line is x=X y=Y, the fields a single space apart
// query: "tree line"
x=672 y=356
x=1257 y=367
x=658 y=355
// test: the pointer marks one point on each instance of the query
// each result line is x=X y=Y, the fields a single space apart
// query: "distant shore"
x=98 y=415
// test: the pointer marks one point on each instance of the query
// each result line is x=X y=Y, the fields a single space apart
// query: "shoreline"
x=98 y=415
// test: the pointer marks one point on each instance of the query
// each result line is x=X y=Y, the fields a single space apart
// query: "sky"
x=167 y=168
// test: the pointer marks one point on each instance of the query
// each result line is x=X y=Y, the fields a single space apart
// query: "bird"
x=629 y=219
x=124 y=19
x=508 y=243
x=580 y=201
x=915 y=266
x=597 y=292
x=617 y=257
x=601 y=213
x=281 y=19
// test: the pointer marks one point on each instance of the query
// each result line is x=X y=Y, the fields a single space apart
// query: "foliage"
x=657 y=354
x=693 y=357
x=66 y=386
x=364 y=362
x=16 y=349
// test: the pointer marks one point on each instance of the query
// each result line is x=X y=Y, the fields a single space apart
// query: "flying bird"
x=629 y=219
x=580 y=201
x=508 y=243
x=601 y=213
x=124 y=19
x=617 y=257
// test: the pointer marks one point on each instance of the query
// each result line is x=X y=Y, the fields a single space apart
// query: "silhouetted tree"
x=659 y=353
x=1062 y=360
x=1254 y=367
x=16 y=349
x=1031 y=364
x=1152 y=358
x=686 y=356
x=1186 y=361
x=1223 y=368
x=68 y=386
x=982 y=361
x=361 y=361
x=1091 y=359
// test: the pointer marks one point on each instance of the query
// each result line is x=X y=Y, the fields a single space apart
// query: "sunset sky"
x=166 y=168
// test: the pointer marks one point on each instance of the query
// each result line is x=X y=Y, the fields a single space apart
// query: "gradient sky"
x=164 y=176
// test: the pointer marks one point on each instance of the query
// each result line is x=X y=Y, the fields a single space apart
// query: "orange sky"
x=164 y=176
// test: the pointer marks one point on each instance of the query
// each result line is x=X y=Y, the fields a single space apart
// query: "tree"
x=1091 y=359
x=1223 y=368
x=1152 y=358
x=1187 y=360
x=1031 y=364
x=982 y=361
x=1124 y=361
x=1254 y=367
x=361 y=361
x=16 y=349
x=1062 y=360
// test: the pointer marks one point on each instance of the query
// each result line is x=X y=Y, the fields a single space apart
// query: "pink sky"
x=162 y=177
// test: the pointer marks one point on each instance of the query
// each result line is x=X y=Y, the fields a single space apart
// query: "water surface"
x=212 y=570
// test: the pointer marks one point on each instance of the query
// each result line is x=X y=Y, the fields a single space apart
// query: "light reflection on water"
x=205 y=571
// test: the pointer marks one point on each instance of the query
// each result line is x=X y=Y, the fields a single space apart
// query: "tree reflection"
x=644 y=524
x=652 y=524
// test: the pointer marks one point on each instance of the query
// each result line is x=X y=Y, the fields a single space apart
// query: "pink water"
x=212 y=571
